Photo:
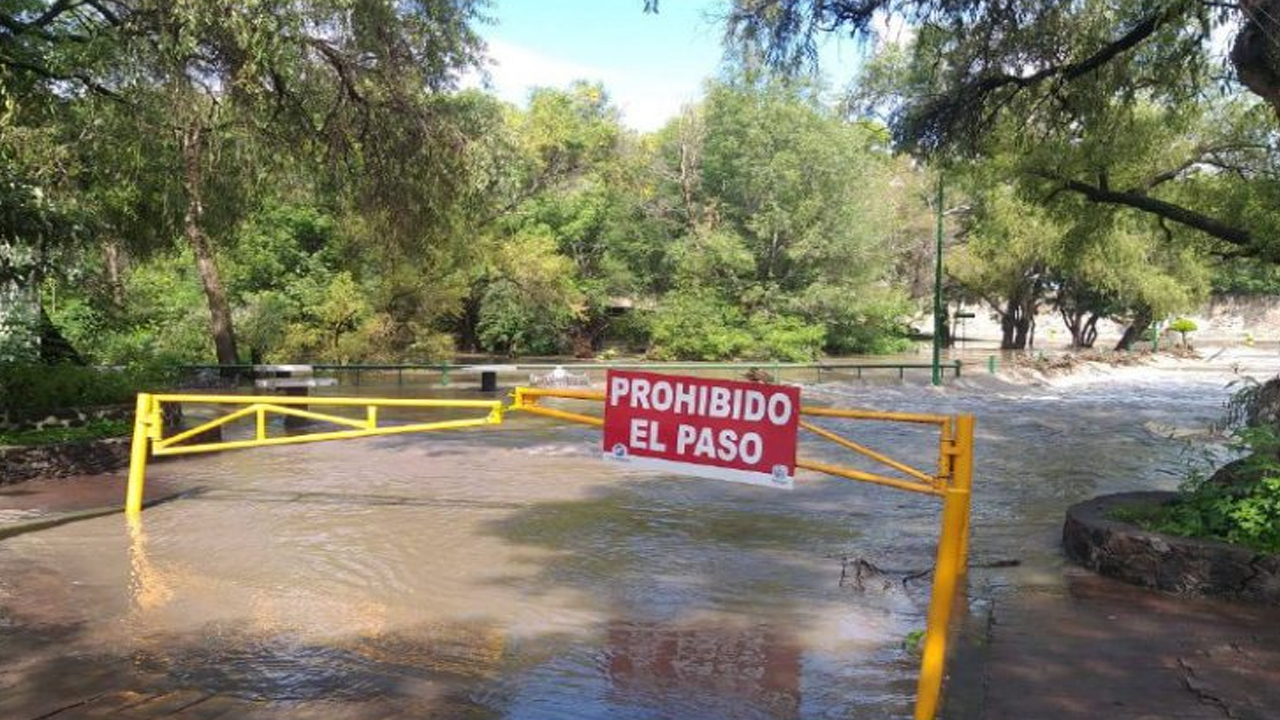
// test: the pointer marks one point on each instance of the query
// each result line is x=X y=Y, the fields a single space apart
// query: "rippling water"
x=509 y=573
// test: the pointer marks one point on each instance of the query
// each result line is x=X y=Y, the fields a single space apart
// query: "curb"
x=9 y=530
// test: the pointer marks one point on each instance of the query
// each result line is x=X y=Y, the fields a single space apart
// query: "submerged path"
x=513 y=575
x=1101 y=649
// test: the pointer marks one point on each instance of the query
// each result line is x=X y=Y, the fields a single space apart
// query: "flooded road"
x=508 y=573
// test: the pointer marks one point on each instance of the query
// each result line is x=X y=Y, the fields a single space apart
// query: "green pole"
x=937 y=295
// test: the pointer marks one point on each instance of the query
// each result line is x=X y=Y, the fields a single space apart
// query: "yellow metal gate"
x=950 y=479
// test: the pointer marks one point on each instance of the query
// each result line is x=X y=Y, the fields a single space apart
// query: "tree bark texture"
x=1136 y=330
x=1256 y=50
x=224 y=339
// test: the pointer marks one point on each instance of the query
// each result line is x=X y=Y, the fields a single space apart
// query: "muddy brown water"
x=509 y=573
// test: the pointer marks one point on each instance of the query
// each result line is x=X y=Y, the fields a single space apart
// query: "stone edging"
x=67 y=418
x=84 y=457
x=1179 y=565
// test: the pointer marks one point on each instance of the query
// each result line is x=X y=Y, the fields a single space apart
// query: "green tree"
x=571 y=203
x=1005 y=261
x=1084 y=84
x=219 y=77
x=43 y=220
x=1023 y=252
x=782 y=213
x=1182 y=326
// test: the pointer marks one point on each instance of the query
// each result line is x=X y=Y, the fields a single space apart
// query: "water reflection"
x=750 y=668
x=149 y=588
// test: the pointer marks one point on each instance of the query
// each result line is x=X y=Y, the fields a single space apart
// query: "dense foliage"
x=758 y=224
x=34 y=390
x=202 y=180
x=1124 y=104
x=1146 y=170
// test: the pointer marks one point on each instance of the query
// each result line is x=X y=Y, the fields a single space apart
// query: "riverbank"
x=1064 y=369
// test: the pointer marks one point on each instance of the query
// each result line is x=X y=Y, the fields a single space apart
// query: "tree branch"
x=48 y=74
x=944 y=114
x=1140 y=201
x=340 y=65
x=1071 y=71
x=40 y=25
x=1203 y=155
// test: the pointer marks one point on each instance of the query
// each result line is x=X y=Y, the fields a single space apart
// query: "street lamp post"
x=938 y=322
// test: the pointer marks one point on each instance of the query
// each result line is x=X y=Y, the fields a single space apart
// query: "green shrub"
x=92 y=431
x=785 y=338
x=1245 y=513
x=511 y=324
x=869 y=325
x=28 y=389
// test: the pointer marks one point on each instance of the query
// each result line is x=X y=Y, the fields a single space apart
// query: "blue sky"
x=651 y=64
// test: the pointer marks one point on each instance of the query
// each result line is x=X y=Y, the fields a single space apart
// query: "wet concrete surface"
x=44 y=503
x=1099 y=648
x=38 y=498
x=503 y=573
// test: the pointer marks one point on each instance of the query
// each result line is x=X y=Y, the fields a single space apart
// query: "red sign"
x=724 y=429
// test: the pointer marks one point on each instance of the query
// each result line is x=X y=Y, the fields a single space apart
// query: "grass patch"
x=94 y=430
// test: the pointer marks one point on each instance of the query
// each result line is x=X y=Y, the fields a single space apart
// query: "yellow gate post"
x=947 y=571
x=138 y=452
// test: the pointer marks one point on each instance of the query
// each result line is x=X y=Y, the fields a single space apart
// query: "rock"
x=63 y=459
x=1238 y=475
x=1179 y=565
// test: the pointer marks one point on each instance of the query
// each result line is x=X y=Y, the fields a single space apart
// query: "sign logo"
x=724 y=429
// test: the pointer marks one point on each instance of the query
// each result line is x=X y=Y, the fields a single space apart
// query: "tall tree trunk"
x=1008 y=326
x=1090 y=334
x=115 y=276
x=224 y=339
x=467 y=327
x=1073 y=319
x=1015 y=327
x=1082 y=325
x=1256 y=50
x=1141 y=321
x=1017 y=321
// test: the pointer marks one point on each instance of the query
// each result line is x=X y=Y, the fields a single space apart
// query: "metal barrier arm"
x=526 y=399
x=923 y=483
x=149 y=440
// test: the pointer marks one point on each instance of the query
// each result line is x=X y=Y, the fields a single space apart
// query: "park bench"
x=293 y=380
